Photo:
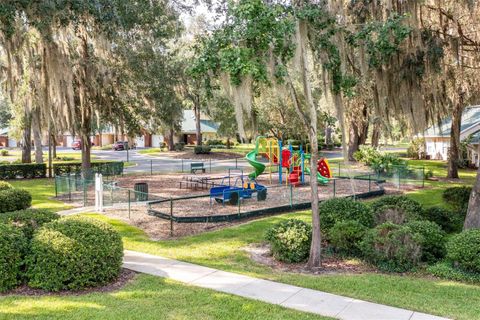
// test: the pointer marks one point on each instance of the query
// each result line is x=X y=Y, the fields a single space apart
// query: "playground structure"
x=296 y=163
x=240 y=189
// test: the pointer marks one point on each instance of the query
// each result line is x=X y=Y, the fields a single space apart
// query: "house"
x=5 y=140
x=437 y=138
x=188 y=132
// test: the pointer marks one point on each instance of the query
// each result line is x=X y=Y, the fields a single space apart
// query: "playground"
x=183 y=204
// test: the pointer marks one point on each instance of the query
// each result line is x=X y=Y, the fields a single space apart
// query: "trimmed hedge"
x=5 y=186
x=450 y=221
x=14 y=199
x=74 y=253
x=392 y=247
x=343 y=209
x=105 y=168
x=290 y=240
x=12 y=247
x=464 y=250
x=27 y=221
x=396 y=209
x=457 y=197
x=345 y=236
x=23 y=171
x=202 y=149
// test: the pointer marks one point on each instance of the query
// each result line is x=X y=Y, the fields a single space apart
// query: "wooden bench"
x=195 y=166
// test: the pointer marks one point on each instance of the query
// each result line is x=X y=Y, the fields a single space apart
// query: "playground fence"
x=397 y=175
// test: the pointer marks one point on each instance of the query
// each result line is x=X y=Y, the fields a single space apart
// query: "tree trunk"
x=376 y=134
x=353 y=141
x=27 y=140
x=86 y=152
x=54 y=146
x=328 y=136
x=472 y=220
x=198 y=127
x=453 y=154
x=37 y=136
x=170 y=140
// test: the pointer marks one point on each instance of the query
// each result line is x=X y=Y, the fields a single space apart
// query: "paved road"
x=147 y=163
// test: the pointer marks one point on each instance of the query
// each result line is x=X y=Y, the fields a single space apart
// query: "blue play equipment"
x=242 y=188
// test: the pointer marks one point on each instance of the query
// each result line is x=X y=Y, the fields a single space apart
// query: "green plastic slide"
x=252 y=160
x=321 y=179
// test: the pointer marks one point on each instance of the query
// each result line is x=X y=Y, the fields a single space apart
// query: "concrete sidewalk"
x=285 y=295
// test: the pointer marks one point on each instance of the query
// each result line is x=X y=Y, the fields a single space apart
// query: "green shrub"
x=290 y=240
x=457 y=197
x=392 y=247
x=3 y=153
x=107 y=168
x=179 y=146
x=449 y=220
x=345 y=236
x=74 y=253
x=23 y=170
x=27 y=221
x=464 y=250
x=416 y=150
x=202 y=149
x=14 y=199
x=446 y=270
x=378 y=161
x=433 y=242
x=5 y=186
x=12 y=246
x=343 y=209
x=396 y=209
x=215 y=142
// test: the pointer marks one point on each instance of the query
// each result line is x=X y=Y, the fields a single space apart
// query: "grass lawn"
x=147 y=297
x=223 y=249
x=42 y=190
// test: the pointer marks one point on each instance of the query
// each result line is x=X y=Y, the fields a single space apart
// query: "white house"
x=437 y=138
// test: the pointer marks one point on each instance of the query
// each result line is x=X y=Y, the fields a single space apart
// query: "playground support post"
x=280 y=161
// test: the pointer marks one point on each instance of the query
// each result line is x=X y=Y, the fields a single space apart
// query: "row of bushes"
x=378 y=161
x=23 y=170
x=12 y=199
x=395 y=233
x=45 y=251
x=202 y=149
x=107 y=168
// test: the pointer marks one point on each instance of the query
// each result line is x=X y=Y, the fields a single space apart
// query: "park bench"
x=195 y=166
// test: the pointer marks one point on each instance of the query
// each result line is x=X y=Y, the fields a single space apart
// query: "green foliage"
x=214 y=142
x=23 y=170
x=3 y=153
x=106 y=168
x=464 y=250
x=202 y=149
x=29 y=220
x=446 y=270
x=74 y=253
x=392 y=247
x=290 y=240
x=345 y=236
x=179 y=146
x=343 y=209
x=5 y=185
x=12 y=246
x=378 y=161
x=457 y=197
x=449 y=220
x=416 y=150
x=382 y=39
x=396 y=209
x=14 y=199
x=433 y=242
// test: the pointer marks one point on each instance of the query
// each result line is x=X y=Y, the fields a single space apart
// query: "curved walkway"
x=285 y=295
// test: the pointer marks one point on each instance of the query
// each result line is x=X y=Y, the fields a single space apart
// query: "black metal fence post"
x=129 y=205
x=334 y=187
x=151 y=167
x=171 y=217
